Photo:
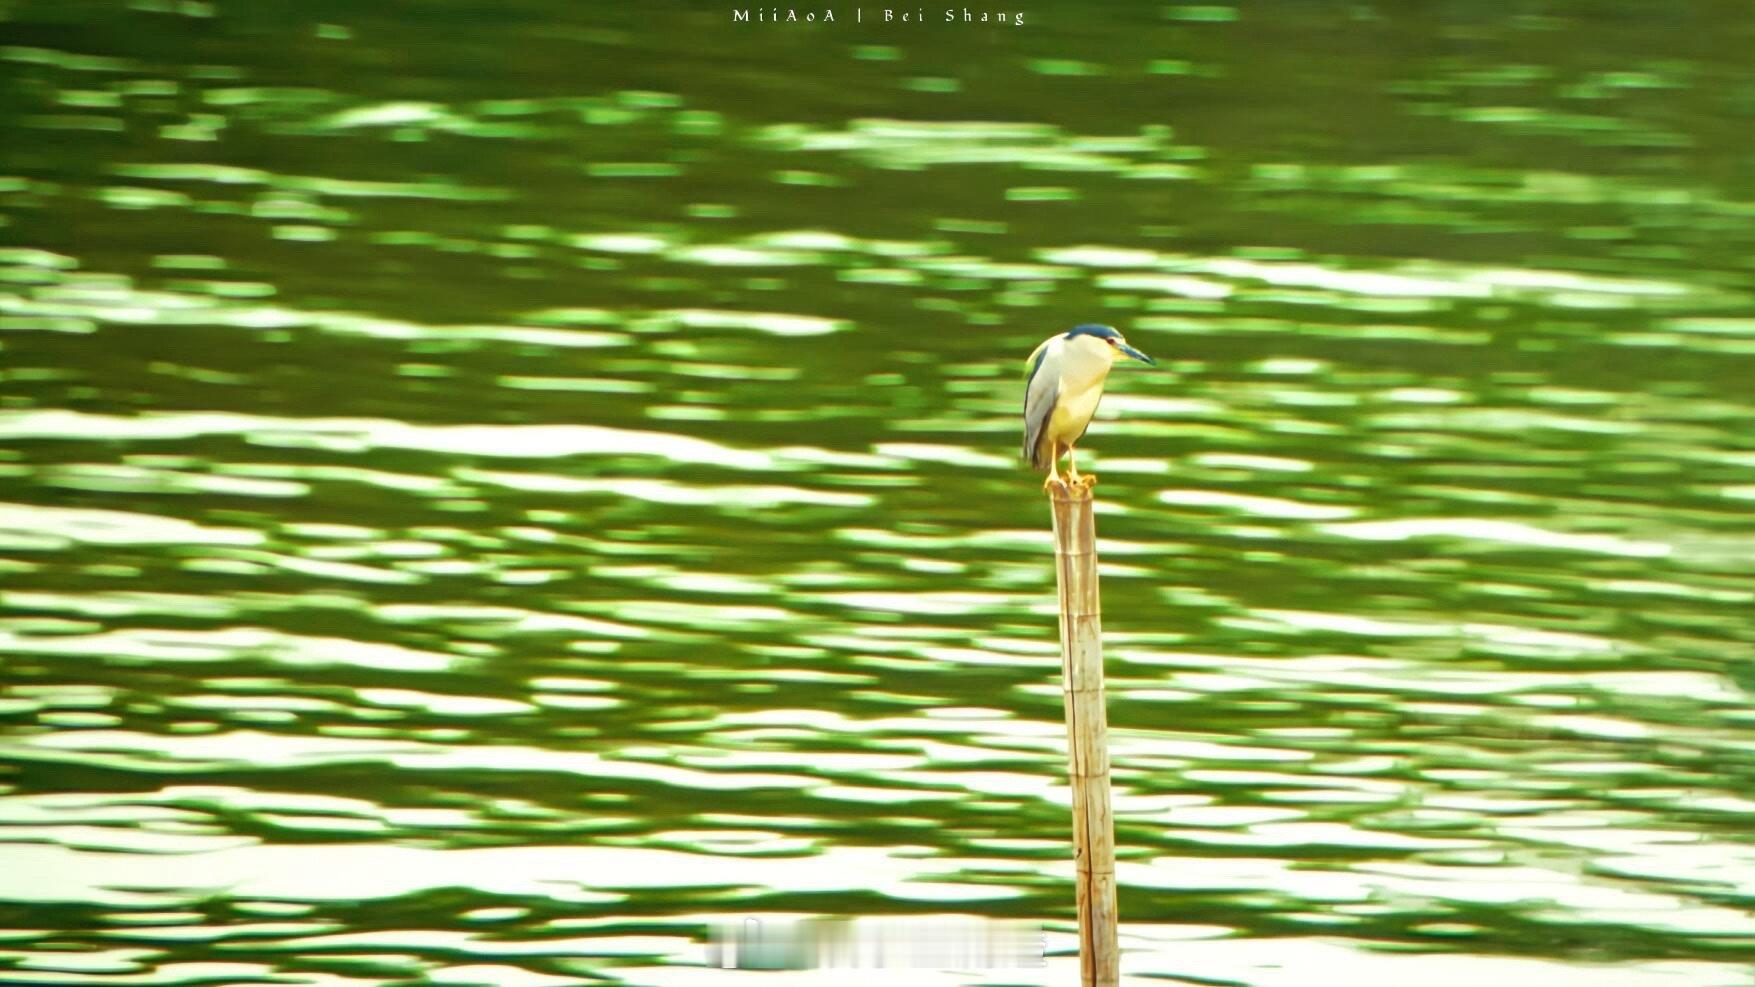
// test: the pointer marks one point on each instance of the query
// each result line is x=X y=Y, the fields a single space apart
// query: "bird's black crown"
x=1093 y=329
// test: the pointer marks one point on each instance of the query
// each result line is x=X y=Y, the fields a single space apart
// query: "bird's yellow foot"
x=1054 y=480
x=1086 y=480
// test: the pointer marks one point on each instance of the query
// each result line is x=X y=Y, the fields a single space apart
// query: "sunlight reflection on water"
x=485 y=521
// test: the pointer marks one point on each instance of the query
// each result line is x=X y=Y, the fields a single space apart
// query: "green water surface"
x=490 y=490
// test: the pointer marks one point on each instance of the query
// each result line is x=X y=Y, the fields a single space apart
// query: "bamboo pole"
x=1087 y=731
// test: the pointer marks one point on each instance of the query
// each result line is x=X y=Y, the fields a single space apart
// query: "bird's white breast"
x=1084 y=366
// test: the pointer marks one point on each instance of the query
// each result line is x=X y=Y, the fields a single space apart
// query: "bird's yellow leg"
x=1053 y=468
x=1073 y=475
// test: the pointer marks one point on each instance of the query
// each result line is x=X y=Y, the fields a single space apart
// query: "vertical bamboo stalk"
x=1087 y=732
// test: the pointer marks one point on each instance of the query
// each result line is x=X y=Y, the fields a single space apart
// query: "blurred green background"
x=489 y=489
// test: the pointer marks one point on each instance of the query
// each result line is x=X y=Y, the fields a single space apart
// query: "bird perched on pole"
x=1063 y=386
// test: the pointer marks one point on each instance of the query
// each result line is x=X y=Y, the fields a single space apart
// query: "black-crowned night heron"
x=1064 y=385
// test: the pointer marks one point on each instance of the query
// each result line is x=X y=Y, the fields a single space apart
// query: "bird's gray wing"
x=1040 y=393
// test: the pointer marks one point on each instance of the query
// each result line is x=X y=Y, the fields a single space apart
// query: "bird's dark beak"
x=1137 y=355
